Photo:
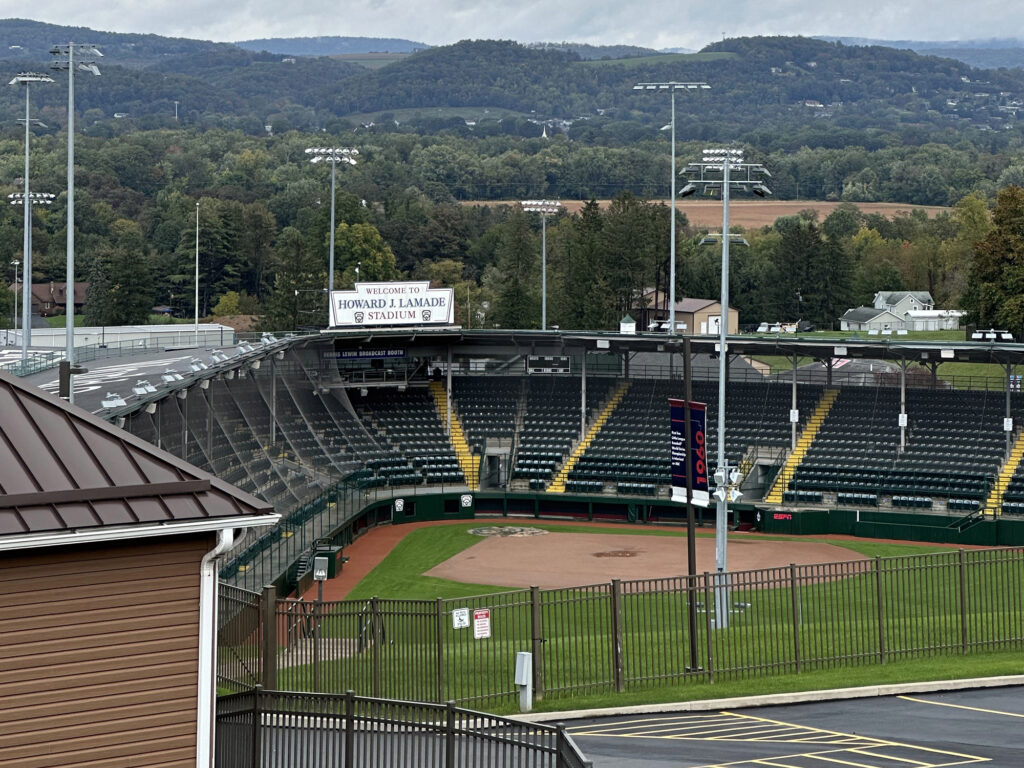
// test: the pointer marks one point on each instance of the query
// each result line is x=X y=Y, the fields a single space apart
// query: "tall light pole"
x=26 y=79
x=197 y=274
x=333 y=155
x=715 y=173
x=672 y=87
x=34 y=198
x=65 y=60
x=14 y=317
x=544 y=208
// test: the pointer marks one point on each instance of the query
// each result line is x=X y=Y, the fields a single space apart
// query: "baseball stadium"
x=449 y=501
x=346 y=430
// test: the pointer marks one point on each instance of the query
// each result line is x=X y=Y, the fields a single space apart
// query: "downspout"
x=208 y=647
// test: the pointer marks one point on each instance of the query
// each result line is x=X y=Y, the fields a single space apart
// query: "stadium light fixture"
x=332 y=155
x=26 y=79
x=545 y=208
x=672 y=87
x=65 y=60
x=715 y=172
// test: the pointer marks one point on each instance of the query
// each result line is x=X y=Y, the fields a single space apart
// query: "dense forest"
x=498 y=121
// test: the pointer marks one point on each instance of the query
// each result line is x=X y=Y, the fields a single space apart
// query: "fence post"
x=268 y=604
x=257 y=729
x=796 y=614
x=616 y=608
x=449 y=735
x=350 y=730
x=963 y=600
x=317 y=634
x=440 y=649
x=708 y=632
x=375 y=633
x=536 y=640
x=880 y=599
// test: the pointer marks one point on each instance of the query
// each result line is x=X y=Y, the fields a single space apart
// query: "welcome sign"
x=413 y=303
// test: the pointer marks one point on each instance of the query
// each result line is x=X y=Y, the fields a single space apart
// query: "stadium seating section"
x=286 y=439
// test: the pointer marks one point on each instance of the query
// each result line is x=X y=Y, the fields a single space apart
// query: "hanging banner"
x=698 y=465
x=413 y=303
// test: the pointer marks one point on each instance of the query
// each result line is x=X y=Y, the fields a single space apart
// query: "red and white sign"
x=481 y=623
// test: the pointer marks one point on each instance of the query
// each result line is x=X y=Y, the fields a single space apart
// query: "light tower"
x=545 y=208
x=26 y=79
x=332 y=155
x=65 y=60
x=672 y=87
x=715 y=173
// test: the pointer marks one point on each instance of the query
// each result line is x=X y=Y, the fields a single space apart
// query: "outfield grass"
x=837 y=623
x=400 y=574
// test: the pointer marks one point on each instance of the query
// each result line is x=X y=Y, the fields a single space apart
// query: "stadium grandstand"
x=341 y=430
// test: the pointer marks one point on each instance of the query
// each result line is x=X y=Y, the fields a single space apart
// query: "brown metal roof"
x=63 y=469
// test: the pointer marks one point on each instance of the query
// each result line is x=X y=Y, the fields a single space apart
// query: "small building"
x=50 y=299
x=933 y=319
x=108 y=557
x=870 y=319
x=692 y=316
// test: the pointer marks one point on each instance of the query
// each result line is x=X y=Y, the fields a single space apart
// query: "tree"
x=120 y=281
x=360 y=247
x=298 y=298
x=515 y=278
x=995 y=292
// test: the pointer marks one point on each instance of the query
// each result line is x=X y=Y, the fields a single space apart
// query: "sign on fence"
x=481 y=623
x=698 y=465
x=460 y=618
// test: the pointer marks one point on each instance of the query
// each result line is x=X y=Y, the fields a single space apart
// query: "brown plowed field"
x=750 y=213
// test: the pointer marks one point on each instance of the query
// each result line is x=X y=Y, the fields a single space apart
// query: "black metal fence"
x=632 y=634
x=239 y=637
x=274 y=729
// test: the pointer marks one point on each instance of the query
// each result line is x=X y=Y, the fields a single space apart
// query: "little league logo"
x=426 y=315
x=359 y=317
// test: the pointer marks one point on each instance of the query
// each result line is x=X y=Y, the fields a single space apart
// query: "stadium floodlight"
x=715 y=172
x=544 y=208
x=65 y=60
x=672 y=87
x=332 y=155
x=26 y=79
x=112 y=400
x=143 y=387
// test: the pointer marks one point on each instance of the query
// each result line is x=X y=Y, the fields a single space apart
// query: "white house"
x=870 y=319
x=901 y=302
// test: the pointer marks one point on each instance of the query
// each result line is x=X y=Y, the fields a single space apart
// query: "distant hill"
x=596 y=52
x=331 y=46
x=23 y=39
x=984 y=54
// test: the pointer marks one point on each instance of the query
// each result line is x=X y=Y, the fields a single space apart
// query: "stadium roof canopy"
x=892 y=349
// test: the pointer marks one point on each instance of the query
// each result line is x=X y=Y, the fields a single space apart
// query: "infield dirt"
x=570 y=559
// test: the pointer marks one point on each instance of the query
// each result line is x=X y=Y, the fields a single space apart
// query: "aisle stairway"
x=558 y=484
x=994 y=503
x=774 y=496
x=468 y=461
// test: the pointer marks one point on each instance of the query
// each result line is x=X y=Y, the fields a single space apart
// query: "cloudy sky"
x=652 y=23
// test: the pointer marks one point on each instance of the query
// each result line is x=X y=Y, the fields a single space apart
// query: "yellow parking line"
x=962 y=706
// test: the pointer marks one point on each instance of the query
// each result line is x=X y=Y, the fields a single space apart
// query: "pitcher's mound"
x=577 y=559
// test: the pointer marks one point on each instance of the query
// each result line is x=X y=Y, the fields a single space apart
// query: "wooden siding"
x=99 y=652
